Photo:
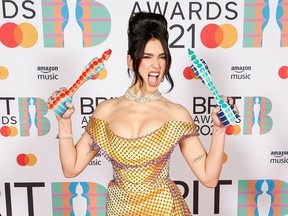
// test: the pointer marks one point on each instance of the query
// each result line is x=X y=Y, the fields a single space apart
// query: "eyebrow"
x=150 y=54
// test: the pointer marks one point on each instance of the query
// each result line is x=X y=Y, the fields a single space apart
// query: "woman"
x=137 y=132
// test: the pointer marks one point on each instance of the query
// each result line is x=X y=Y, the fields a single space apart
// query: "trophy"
x=96 y=65
x=226 y=114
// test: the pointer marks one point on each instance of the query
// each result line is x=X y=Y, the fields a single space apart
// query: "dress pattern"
x=141 y=184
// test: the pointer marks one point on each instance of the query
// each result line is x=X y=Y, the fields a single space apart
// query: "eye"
x=146 y=56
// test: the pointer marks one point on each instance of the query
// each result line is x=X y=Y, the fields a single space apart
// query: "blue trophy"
x=227 y=115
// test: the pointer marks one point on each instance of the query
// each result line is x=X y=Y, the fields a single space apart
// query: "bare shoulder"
x=104 y=108
x=178 y=112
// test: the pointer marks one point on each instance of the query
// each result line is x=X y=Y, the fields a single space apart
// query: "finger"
x=50 y=99
x=70 y=105
x=236 y=111
x=54 y=95
x=69 y=112
x=230 y=100
x=224 y=97
x=62 y=89
x=47 y=104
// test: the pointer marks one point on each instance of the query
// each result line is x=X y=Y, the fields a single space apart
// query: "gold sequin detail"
x=141 y=184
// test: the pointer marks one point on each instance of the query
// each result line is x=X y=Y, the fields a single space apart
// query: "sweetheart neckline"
x=142 y=136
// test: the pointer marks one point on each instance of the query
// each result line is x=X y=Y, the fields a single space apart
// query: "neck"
x=142 y=90
x=139 y=96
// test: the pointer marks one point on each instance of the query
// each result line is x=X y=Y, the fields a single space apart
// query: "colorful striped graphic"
x=94 y=20
x=65 y=195
x=255 y=20
x=55 y=16
x=249 y=197
x=38 y=120
x=259 y=115
x=282 y=20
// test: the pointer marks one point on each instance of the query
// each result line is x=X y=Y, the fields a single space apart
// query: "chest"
x=134 y=123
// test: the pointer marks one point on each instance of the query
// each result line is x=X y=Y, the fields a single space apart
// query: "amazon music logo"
x=47 y=73
x=241 y=72
x=279 y=157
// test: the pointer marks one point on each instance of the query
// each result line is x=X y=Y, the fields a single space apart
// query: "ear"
x=129 y=62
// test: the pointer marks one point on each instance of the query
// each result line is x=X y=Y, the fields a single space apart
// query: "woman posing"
x=138 y=131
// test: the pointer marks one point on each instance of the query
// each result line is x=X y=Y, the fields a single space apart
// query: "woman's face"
x=153 y=64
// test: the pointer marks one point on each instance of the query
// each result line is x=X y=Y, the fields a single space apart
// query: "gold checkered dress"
x=141 y=184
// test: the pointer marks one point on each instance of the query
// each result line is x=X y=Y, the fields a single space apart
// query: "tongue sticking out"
x=152 y=80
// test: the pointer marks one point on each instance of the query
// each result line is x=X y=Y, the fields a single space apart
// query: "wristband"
x=65 y=137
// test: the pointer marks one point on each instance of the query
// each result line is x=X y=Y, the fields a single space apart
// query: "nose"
x=156 y=63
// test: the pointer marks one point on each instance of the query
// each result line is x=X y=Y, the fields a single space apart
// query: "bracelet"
x=64 y=137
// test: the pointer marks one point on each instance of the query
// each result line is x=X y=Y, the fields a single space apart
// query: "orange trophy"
x=96 y=65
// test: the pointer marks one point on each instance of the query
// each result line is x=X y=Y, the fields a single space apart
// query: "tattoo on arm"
x=197 y=159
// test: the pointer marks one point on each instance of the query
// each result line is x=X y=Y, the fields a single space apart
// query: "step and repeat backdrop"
x=46 y=44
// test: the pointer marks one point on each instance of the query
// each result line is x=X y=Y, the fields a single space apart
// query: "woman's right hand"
x=70 y=107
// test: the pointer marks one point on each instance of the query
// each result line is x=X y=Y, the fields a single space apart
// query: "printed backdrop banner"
x=46 y=44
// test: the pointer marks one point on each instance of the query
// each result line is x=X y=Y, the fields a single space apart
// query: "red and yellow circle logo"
x=189 y=74
x=13 y=35
x=7 y=131
x=26 y=159
x=233 y=129
x=213 y=35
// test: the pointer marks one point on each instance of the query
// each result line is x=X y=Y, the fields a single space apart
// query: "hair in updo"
x=143 y=27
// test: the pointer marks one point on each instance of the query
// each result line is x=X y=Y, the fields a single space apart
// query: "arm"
x=206 y=166
x=74 y=158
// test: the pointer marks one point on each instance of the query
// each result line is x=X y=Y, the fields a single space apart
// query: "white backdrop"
x=46 y=44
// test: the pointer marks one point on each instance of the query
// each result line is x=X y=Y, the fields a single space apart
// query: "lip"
x=154 y=74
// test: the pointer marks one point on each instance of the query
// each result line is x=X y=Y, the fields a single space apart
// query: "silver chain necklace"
x=131 y=96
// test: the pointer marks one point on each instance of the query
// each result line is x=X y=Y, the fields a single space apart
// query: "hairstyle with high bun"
x=144 y=26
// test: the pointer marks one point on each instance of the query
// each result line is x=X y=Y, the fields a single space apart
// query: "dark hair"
x=144 y=26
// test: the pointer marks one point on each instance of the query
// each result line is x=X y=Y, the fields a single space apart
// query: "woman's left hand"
x=216 y=110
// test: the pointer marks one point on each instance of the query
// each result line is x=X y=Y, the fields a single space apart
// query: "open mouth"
x=153 y=78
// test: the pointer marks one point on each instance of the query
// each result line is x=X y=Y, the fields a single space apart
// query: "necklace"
x=131 y=96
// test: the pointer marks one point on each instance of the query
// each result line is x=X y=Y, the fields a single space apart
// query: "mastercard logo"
x=283 y=72
x=7 y=131
x=26 y=159
x=233 y=129
x=3 y=73
x=189 y=74
x=24 y=35
x=213 y=36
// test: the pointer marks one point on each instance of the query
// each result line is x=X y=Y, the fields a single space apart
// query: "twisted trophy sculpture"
x=226 y=114
x=96 y=65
